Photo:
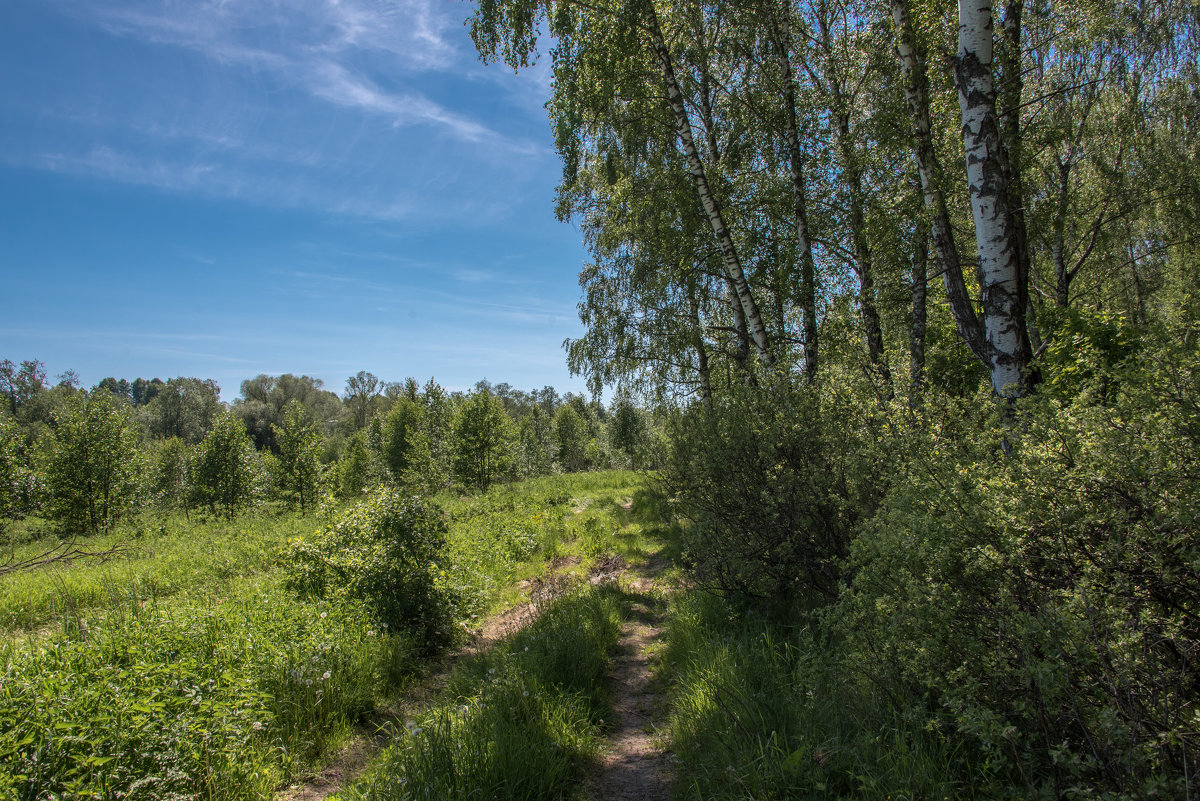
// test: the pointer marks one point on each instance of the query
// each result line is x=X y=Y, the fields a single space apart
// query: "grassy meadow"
x=188 y=667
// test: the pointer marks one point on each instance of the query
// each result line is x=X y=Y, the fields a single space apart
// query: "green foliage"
x=12 y=472
x=773 y=480
x=572 y=434
x=1086 y=352
x=198 y=701
x=484 y=438
x=171 y=466
x=630 y=433
x=299 y=456
x=224 y=471
x=265 y=398
x=358 y=468
x=93 y=468
x=537 y=443
x=523 y=721
x=766 y=710
x=385 y=553
x=183 y=407
x=1042 y=601
x=405 y=446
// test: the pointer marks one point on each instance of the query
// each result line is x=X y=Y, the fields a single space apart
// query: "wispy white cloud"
x=316 y=47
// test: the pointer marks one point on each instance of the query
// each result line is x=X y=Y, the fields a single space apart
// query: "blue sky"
x=231 y=187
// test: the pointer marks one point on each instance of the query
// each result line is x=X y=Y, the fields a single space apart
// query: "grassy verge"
x=520 y=722
x=762 y=711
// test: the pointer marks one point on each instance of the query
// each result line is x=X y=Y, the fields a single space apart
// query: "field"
x=186 y=667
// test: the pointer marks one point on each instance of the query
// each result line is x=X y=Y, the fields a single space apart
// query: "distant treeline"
x=84 y=458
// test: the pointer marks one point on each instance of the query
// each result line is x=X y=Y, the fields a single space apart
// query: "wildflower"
x=324 y=615
x=257 y=726
x=308 y=682
x=325 y=675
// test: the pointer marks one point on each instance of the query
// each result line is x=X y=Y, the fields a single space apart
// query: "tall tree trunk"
x=1058 y=248
x=697 y=332
x=916 y=90
x=995 y=229
x=864 y=263
x=729 y=255
x=804 y=255
x=1012 y=143
x=916 y=350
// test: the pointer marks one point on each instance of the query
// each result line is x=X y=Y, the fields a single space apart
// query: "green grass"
x=215 y=700
x=763 y=711
x=522 y=721
x=163 y=557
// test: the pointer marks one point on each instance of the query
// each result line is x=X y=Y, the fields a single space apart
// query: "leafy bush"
x=384 y=552
x=224 y=469
x=1045 y=601
x=194 y=702
x=93 y=468
x=772 y=480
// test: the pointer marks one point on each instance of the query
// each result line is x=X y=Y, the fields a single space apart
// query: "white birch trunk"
x=912 y=67
x=999 y=268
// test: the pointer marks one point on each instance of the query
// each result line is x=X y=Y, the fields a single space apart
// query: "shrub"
x=770 y=481
x=223 y=468
x=384 y=552
x=1045 y=601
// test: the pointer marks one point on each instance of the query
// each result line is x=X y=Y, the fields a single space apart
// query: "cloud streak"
x=319 y=48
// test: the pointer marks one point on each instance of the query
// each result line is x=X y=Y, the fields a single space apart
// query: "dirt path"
x=634 y=766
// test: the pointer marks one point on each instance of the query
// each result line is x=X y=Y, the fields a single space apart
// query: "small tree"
x=358 y=469
x=405 y=447
x=223 y=470
x=628 y=432
x=537 y=442
x=171 y=465
x=572 y=434
x=484 y=438
x=93 y=464
x=11 y=471
x=299 y=455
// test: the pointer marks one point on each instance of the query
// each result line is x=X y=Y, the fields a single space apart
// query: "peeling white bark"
x=999 y=268
x=912 y=67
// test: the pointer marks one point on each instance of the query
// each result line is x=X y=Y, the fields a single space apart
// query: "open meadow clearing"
x=191 y=665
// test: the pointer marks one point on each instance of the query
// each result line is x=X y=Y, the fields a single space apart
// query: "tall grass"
x=162 y=557
x=213 y=701
x=186 y=670
x=520 y=722
x=762 y=711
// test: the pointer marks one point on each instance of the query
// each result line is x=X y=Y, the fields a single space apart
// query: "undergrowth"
x=766 y=711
